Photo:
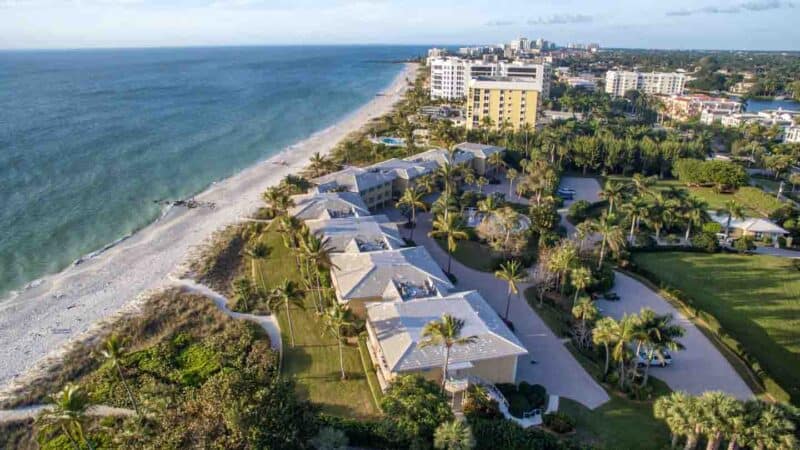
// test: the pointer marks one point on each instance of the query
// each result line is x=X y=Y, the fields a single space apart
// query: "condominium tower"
x=450 y=76
x=665 y=83
x=503 y=100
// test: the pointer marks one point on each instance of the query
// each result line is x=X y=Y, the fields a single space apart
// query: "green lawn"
x=755 y=298
x=314 y=361
x=620 y=423
x=473 y=254
x=756 y=202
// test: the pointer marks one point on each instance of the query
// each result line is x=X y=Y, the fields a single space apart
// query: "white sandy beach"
x=39 y=321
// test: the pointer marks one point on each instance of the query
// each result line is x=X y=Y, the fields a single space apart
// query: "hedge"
x=369 y=371
x=507 y=435
x=380 y=433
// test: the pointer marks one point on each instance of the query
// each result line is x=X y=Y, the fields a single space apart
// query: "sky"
x=681 y=24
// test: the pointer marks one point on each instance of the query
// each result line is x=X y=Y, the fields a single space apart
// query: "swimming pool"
x=392 y=141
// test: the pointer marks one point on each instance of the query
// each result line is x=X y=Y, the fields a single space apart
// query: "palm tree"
x=635 y=209
x=604 y=332
x=771 y=429
x=317 y=164
x=613 y=193
x=716 y=409
x=286 y=293
x=469 y=175
x=580 y=278
x=733 y=210
x=412 y=199
x=625 y=333
x=68 y=414
x=563 y=258
x=661 y=335
x=641 y=185
x=244 y=292
x=481 y=182
x=114 y=352
x=256 y=250
x=694 y=211
x=319 y=252
x=510 y=272
x=585 y=311
x=512 y=175
x=447 y=173
x=426 y=183
x=678 y=410
x=450 y=228
x=611 y=234
x=488 y=205
x=495 y=161
x=447 y=333
x=337 y=318
x=453 y=435
x=277 y=201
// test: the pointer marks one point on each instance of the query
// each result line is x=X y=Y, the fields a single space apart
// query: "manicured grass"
x=474 y=255
x=754 y=298
x=314 y=360
x=620 y=423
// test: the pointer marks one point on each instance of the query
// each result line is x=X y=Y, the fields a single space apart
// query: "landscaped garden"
x=314 y=360
x=754 y=298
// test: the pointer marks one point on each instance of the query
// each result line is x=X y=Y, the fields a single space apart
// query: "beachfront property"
x=510 y=101
x=792 y=134
x=358 y=234
x=450 y=76
x=755 y=227
x=374 y=186
x=618 y=82
x=465 y=154
x=395 y=332
x=684 y=107
x=387 y=275
x=404 y=172
x=327 y=205
x=767 y=118
x=480 y=155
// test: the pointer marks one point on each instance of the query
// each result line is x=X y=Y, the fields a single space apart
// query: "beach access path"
x=37 y=323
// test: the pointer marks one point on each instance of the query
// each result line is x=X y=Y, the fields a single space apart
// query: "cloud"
x=753 y=5
x=499 y=23
x=560 y=19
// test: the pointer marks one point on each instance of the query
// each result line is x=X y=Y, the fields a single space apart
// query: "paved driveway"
x=697 y=369
x=554 y=366
x=779 y=252
x=585 y=189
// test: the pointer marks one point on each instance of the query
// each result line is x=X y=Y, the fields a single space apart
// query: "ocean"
x=91 y=139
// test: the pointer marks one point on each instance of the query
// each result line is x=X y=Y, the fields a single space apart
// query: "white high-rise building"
x=664 y=83
x=450 y=76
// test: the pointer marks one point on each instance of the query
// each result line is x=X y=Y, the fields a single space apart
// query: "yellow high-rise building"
x=502 y=99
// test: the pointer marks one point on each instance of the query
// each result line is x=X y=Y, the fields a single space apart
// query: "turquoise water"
x=754 y=105
x=90 y=139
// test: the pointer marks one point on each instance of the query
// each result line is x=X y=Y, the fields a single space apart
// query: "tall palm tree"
x=604 y=332
x=447 y=173
x=642 y=185
x=678 y=410
x=284 y=294
x=278 y=201
x=426 y=183
x=336 y=319
x=580 y=278
x=256 y=250
x=733 y=210
x=489 y=205
x=68 y=414
x=512 y=175
x=451 y=229
x=613 y=193
x=113 y=351
x=447 y=333
x=468 y=175
x=453 y=435
x=716 y=410
x=611 y=236
x=495 y=161
x=625 y=333
x=244 y=292
x=771 y=429
x=319 y=252
x=635 y=210
x=585 y=311
x=662 y=335
x=562 y=260
x=317 y=164
x=481 y=182
x=510 y=272
x=412 y=199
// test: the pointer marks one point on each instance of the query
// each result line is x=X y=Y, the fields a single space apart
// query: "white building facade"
x=664 y=83
x=450 y=76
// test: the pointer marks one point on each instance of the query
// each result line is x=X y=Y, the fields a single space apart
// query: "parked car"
x=664 y=361
x=611 y=296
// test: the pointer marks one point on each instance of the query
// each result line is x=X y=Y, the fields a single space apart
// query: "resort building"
x=480 y=153
x=373 y=185
x=766 y=118
x=404 y=172
x=509 y=101
x=387 y=275
x=358 y=234
x=792 y=135
x=329 y=205
x=684 y=107
x=752 y=226
x=450 y=77
x=664 y=83
x=395 y=332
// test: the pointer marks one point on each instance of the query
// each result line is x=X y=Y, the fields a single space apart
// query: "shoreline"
x=38 y=321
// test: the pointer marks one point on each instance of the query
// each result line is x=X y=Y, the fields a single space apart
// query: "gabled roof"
x=440 y=157
x=751 y=224
x=358 y=233
x=326 y=205
x=405 y=169
x=353 y=179
x=479 y=150
x=398 y=329
x=381 y=273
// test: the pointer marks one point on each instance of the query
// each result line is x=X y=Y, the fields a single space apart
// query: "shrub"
x=417 y=405
x=744 y=244
x=507 y=435
x=558 y=422
x=577 y=210
x=382 y=433
x=706 y=242
x=712 y=227
x=478 y=405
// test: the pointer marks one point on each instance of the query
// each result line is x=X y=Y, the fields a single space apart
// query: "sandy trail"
x=37 y=323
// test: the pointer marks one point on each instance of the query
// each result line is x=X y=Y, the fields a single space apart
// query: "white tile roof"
x=379 y=274
x=398 y=329
x=324 y=205
x=345 y=234
x=479 y=150
x=408 y=170
x=440 y=157
x=751 y=224
x=353 y=179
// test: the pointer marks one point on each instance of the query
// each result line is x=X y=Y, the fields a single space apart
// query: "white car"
x=663 y=361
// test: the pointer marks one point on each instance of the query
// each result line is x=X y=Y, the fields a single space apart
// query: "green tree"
x=580 y=278
x=318 y=252
x=451 y=229
x=68 y=415
x=584 y=311
x=113 y=351
x=453 y=435
x=716 y=410
x=413 y=200
x=604 y=333
x=660 y=335
x=511 y=175
x=446 y=333
x=613 y=193
x=278 y=201
x=245 y=293
x=256 y=250
x=733 y=210
x=337 y=318
x=285 y=294
x=417 y=406
x=678 y=410
x=694 y=211
x=510 y=272
x=611 y=235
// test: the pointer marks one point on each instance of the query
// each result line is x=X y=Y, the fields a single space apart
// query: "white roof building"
x=749 y=226
x=328 y=205
x=353 y=179
x=358 y=234
x=397 y=330
x=481 y=151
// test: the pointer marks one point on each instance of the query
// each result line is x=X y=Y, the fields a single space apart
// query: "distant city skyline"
x=679 y=24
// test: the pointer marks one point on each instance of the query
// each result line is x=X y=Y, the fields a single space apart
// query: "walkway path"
x=697 y=369
x=268 y=323
x=549 y=363
x=30 y=412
